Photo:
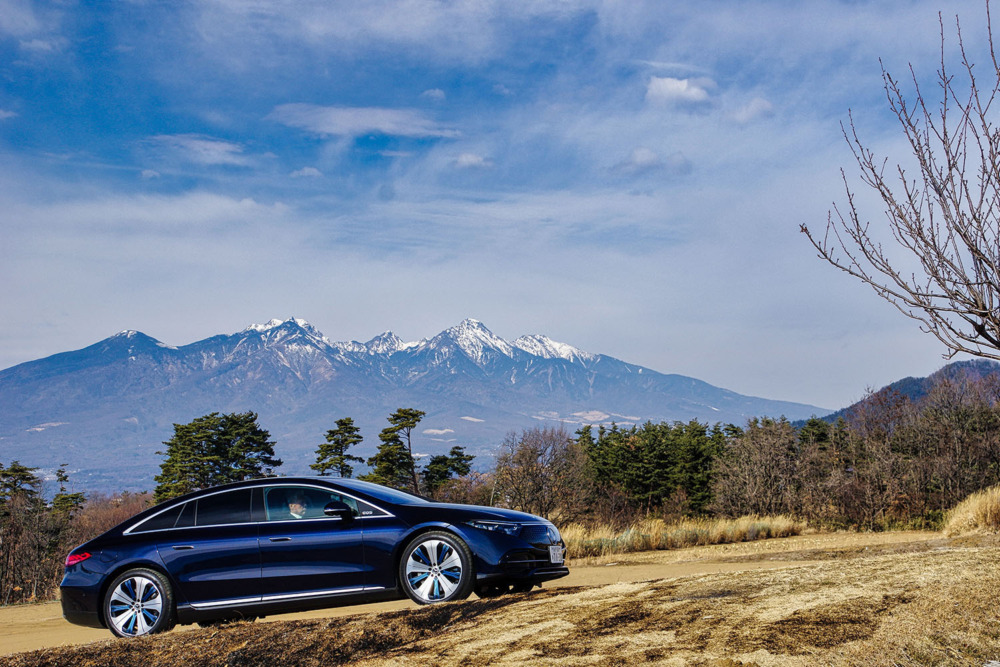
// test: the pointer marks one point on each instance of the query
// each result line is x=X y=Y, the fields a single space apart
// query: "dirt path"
x=30 y=627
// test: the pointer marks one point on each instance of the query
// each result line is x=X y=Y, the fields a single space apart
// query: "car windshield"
x=382 y=492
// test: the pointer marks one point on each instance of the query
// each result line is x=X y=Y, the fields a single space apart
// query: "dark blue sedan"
x=289 y=544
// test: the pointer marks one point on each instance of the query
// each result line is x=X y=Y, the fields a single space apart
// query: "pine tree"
x=332 y=455
x=443 y=467
x=17 y=479
x=403 y=421
x=214 y=449
x=63 y=502
x=392 y=464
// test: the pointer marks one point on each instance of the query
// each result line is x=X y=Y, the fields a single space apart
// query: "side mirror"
x=336 y=508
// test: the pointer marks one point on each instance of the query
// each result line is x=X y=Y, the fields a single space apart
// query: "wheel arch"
x=134 y=565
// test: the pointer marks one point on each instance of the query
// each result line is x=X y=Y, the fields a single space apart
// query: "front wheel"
x=436 y=567
x=139 y=602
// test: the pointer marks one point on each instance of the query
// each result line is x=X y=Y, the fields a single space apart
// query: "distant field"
x=882 y=599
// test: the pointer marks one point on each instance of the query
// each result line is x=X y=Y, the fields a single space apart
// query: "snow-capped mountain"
x=106 y=409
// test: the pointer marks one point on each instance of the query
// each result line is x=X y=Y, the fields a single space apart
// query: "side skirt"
x=281 y=604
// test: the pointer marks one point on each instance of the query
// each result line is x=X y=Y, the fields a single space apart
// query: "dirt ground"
x=874 y=598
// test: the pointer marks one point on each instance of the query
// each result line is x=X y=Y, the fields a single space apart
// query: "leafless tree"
x=946 y=217
x=544 y=472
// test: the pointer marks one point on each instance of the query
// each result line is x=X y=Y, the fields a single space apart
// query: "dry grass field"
x=930 y=601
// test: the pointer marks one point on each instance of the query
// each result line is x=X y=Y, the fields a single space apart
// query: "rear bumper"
x=80 y=608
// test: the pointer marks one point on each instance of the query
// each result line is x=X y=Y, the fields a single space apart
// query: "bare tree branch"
x=946 y=217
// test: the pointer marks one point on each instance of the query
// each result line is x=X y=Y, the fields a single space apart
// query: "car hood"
x=453 y=512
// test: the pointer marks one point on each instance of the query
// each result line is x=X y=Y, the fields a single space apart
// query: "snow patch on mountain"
x=387 y=343
x=473 y=338
x=542 y=346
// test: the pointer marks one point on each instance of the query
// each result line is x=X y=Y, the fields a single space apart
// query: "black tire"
x=436 y=567
x=139 y=602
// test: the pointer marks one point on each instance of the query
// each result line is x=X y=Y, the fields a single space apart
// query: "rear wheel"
x=436 y=567
x=139 y=602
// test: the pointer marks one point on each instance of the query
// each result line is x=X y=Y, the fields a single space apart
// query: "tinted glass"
x=161 y=521
x=287 y=503
x=380 y=492
x=222 y=508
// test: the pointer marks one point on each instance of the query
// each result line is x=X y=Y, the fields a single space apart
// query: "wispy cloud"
x=473 y=161
x=202 y=150
x=641 y=160
x=756 y=108
x=306 y=172
x=5 y=114
x=353 y=121
x=17 y=17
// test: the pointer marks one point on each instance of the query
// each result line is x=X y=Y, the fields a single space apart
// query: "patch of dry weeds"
x=891 y=606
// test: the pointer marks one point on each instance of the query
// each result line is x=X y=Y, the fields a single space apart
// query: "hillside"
x=839 y=599
x=120 y=396
x=915 y=388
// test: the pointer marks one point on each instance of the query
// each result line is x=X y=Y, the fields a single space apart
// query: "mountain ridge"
x=122 y=395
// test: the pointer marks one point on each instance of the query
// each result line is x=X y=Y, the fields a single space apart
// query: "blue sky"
x=628 y=177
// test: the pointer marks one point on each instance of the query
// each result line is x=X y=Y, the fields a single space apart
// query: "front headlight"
x=512 y=529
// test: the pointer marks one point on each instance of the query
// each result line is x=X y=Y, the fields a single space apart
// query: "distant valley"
x=106 y=409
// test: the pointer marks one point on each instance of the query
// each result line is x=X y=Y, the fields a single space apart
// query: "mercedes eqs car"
x=282 y=544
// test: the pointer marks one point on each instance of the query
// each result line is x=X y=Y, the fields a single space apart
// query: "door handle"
x=280 y=539
x=182 y=547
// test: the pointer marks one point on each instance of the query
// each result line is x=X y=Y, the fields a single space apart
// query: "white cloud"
x=353 y=121
x=435 y=94
x=756 y=108
x=641 y=160
x=473 y=161
x=17 y=18
x=40 y=45
x=678 y=91
x=437 y=431
x=150 y=173
x=472 y=419
x=5 y=114
x=307 y=172
x=203 y=150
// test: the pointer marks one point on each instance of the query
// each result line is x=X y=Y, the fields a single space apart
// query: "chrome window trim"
x=386 y=514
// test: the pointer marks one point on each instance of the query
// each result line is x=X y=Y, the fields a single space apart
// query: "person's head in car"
x=298 y=505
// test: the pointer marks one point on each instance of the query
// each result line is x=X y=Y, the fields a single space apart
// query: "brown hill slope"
x=931 y=602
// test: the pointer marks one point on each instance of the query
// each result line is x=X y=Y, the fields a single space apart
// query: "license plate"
x=556 y=553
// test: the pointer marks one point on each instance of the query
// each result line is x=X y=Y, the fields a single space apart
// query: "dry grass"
x=978 y=514
x=936 y=606
x=654 y=534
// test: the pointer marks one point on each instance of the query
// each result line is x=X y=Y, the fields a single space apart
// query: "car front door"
x=212 y=552
x=305 y=553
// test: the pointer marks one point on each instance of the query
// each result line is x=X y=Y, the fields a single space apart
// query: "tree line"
x=891 y=462
x=220 y=448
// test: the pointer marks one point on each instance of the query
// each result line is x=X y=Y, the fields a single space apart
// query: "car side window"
x=162 y=521
x=289 y=503
x=224 y=508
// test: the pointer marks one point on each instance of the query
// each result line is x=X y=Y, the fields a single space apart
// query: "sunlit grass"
x=652 y=534
x=977 y=514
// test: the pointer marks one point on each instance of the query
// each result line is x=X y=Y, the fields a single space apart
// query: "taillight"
x=73 y=559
